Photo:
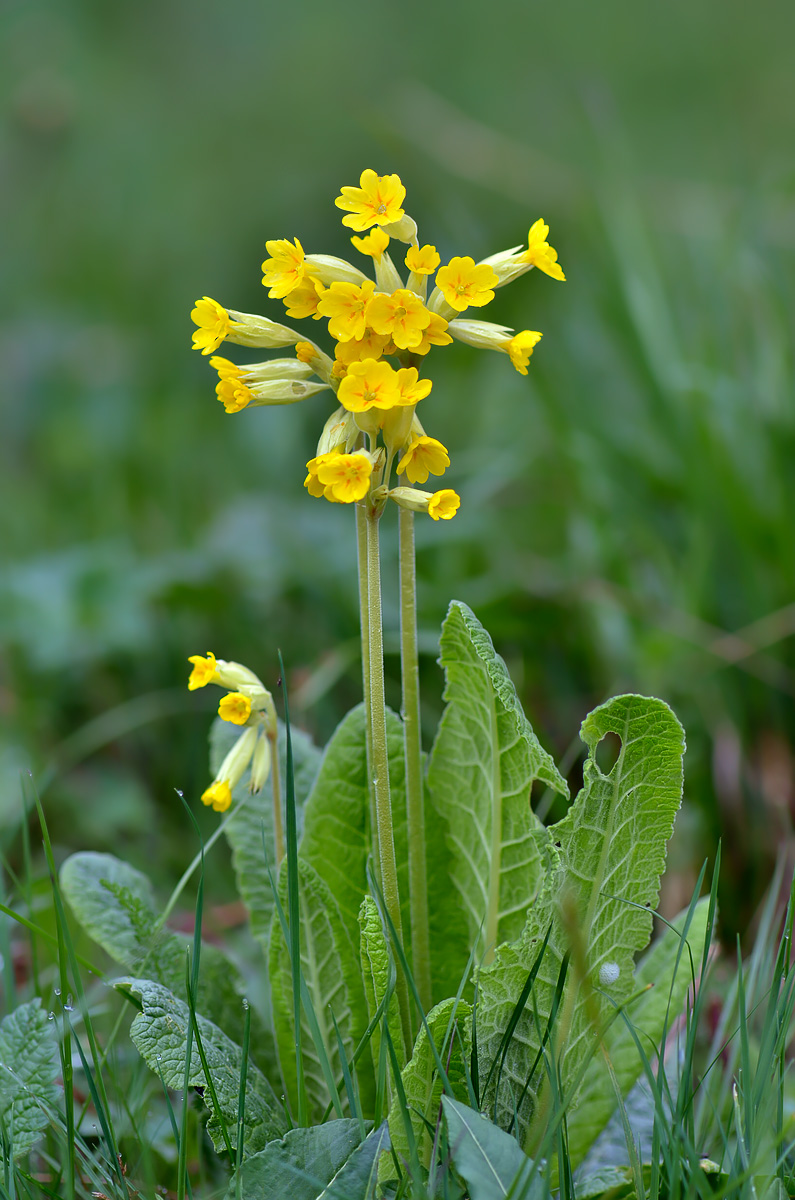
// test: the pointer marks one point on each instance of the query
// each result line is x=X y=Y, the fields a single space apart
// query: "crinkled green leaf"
x=612 y=846
x=244 y=831
x=28 y=1067
x=332 y=974
x=322 y=1162
x=483 y=764
x=421 y=1082
x=649 y=1015
x=160 y=1032
x=115 y=904
x=490 y=1161
x=375 y=973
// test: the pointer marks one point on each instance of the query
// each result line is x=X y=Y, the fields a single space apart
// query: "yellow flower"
x=213 y=322
x=219 y=795
x=402 y=315
x=435 y=335
x=204 y=670
x=312 y=483
x=233 y=394
x=539 y=253
x=235 y=707
x=303 y=300
x=520 y=347
x=347 y=476
x=376 y=201
x=463 y=283
x=285 y=268
x=225 y=368
x=424 y=457
x=345 y=305
x=411 y=388
x=370 y=384
x=374 y=244
x=304 y=352
x=422 y=260
x=444 y=505
x=372 y=345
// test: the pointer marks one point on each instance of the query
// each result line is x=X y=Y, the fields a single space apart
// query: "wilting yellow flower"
x=285 y=268
x=204 y=670
x=213 y=322
x=370 y=384
x=411 y=388
x=520 y=347
x=424 y=457
x=347 y=476
x=462 y=283
x=422 y=260
x=443 y=505
x=402 y=315
x=303 y=300
x=233 y=394
x=346 y=305
x=219 y=795
x=372 y=345
x=235 y=707
x=539 y=253
x=435 y=335
x=374 y=244
x=376 y=201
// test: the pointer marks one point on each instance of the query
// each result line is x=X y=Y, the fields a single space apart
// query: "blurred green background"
x=627 y=508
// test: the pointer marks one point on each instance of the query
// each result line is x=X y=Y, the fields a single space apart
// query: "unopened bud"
x=261 y=763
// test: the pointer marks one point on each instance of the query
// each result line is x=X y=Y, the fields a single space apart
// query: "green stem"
x=364 y=616
x=380 y=759
x=415 y=801
x=276 y=786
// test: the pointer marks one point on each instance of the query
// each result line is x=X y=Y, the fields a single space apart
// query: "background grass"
x=626 y=507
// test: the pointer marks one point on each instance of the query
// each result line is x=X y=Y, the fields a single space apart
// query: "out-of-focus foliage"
x=627 y=508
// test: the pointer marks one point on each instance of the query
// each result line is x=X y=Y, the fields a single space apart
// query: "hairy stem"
x=364 y=617
x=276 y=784
x=415 y=801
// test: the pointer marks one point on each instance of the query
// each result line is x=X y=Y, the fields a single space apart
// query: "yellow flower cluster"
x=371 y=320
x=248 y=704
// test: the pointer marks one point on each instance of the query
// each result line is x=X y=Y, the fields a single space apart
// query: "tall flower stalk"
x=373 y=433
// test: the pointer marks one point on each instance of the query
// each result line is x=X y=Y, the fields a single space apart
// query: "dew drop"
x=57 y=991
x=180 y=793
x=245 y=1003
x=51 y=1016
x=159 y=1057
x=69 y=1005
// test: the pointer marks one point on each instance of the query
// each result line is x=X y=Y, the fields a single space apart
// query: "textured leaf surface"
x=160 y=1031
x=647 y=1015
x=484 y=761
x=612 y=846
x=323 y=1162
x=115 y=904
x=421 y=1081
x=244 y=831
x=28 y=1067
x=375 y=973
x=490 y=1161
x=332 y=974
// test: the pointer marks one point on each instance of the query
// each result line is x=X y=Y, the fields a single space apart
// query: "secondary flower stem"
x=276 y=784
x=364 y=617
x=415 y=802
x=383 y=806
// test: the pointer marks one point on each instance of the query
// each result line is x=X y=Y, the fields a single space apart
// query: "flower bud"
x=404 y=230
x=261 y=763
x=328 y=270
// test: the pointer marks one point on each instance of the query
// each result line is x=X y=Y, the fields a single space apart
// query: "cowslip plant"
x=428 y=935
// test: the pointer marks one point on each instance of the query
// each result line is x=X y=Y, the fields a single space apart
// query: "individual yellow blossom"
x=204 y=670
x=312 y=483
x=435 y=335
x=402 y=315
x=370 y=384
x=374 y=244
x=411 y=388
x=303 y=300
x=462 y=283
x=376 y=201
x=225 y=368
x=234 y=395
x=422 y=260
x=304 y=352
x=424 y=457
x=235 y=707
x=219 y=795
x=346 y=305
x=213 y=325
x=443 y=505
x=285 y=268
x=347 y=476
x=539 y=253
x=520 y=347
x=372 y=345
